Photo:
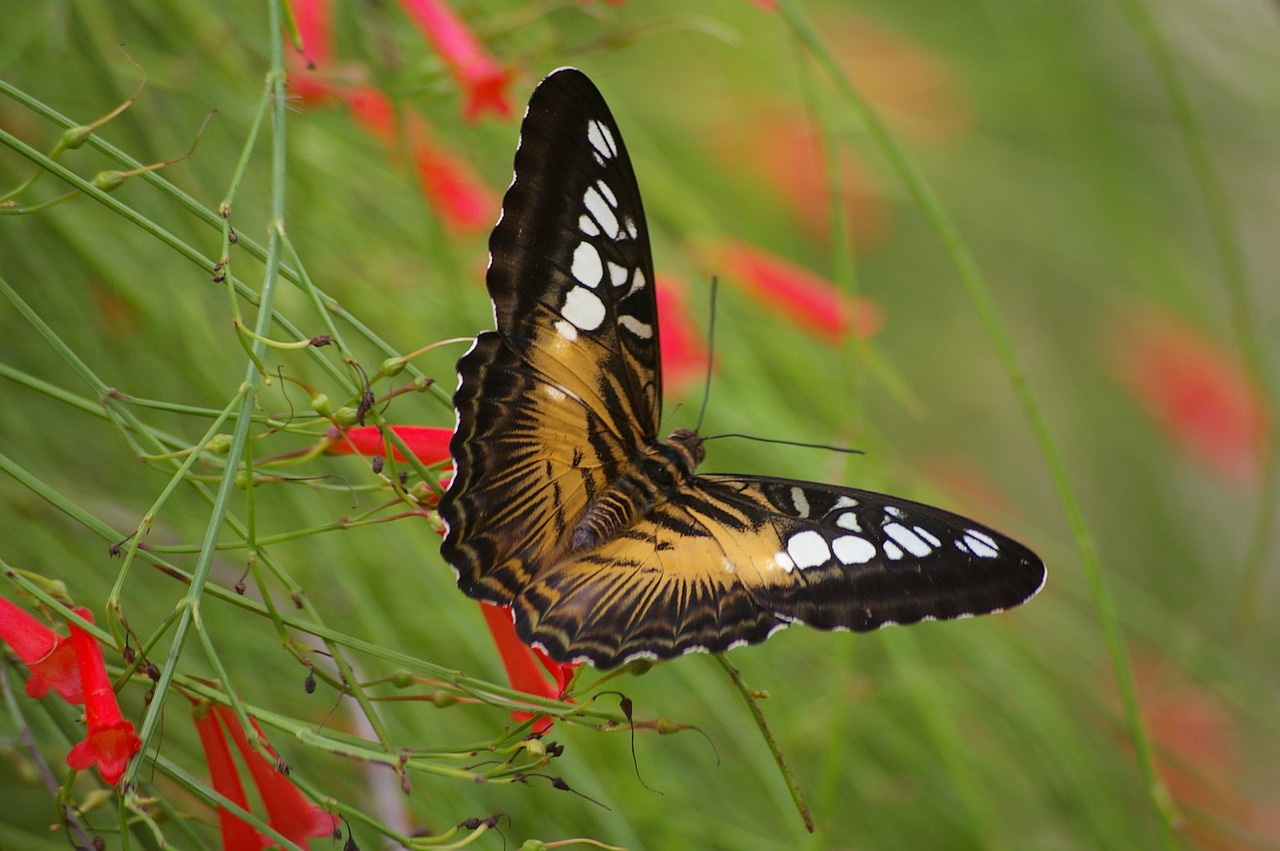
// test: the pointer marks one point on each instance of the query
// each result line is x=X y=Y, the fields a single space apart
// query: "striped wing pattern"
x=567 y=506
x=553 y=403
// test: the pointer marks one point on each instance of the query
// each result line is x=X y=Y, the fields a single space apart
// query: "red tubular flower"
x=521 y=663
x=783 y=151
x=1196 y=393
x=809 y=300
x=483 y=79
x=236 y=832
x=374 y=111
x=51 y=658
x=462 y=199
x=288 y=812
x=429 y=444
x=684 y=356
x=110 y=742
x=1200 y=752
x=315 y=26
x=561 y=672
x=907 y=82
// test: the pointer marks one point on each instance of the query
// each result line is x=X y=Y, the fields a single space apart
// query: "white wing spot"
x=808 y=549
x=801 y=503
x=586 y=265
x=583 y=308
x=893 y=511
x=981 y=543
x=601 y=139
x=851 y=549
x=910 y=541
x=844 y=502
x=892 y=551
x=638 y=283
x=617 y=274
x=587 y=225
x=607 y=193
x=630 y=224
x=928 y=536
x=566 y=330
x=601 y=211
x=642 y=330
x=849 y=521
x=783 y=561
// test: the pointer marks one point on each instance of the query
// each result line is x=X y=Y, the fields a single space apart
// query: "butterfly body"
x=600 y=536
x=658 y=473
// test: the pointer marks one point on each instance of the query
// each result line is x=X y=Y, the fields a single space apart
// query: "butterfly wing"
x=555 y=405
x=566 y=390
x=733 y=558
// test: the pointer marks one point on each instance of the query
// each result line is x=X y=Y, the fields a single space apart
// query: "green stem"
x=753 y=704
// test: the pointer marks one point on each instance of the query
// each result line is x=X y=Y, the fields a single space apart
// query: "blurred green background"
x=1050 y=136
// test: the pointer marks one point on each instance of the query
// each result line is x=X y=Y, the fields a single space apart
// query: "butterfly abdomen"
x=657 y=472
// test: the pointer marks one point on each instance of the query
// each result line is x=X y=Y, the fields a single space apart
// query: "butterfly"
x=566 y=505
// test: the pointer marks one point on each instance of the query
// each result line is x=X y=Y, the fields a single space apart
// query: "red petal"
x=315 y=26
x=486 y=83
x=110 y=748
x=288 y=811
x=807 y=299
x=51 y=658
x=236 y=832
x=464 y=202
x=110 y=741
x=1200 y=751
x=28 y=637
x=484 y=80
x=57 y=671
x=684 y=357
x=429 y=444
x=783 y=151
x=374 y=111
x=1196 y=392
x=907 y=82
x=521 y=665
x=561 y=672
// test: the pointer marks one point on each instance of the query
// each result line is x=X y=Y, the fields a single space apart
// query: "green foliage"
x=1064 y=152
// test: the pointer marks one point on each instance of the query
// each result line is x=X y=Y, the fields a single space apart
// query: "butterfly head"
x=691 y=441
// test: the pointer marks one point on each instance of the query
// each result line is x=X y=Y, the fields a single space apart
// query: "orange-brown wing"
x=566 y=390
x=732 y=558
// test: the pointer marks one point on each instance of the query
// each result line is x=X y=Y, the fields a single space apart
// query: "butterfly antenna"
x=827 y=446
x=711 y=353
